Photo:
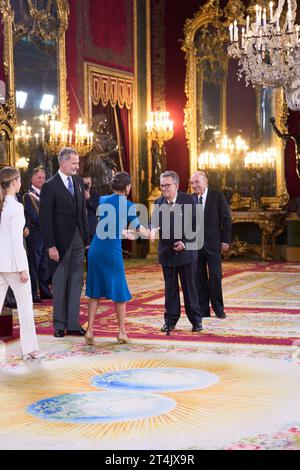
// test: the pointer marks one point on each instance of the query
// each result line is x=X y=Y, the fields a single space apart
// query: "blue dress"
x=106 y=272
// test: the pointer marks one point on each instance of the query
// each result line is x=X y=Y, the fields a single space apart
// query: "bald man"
x=217 y=237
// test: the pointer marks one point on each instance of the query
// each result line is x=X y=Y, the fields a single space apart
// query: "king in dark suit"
x=217 y=238
x=65 y=231
x=170 y=214
x=37 y=256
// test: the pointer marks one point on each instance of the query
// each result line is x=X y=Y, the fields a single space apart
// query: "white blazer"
x=13 y=258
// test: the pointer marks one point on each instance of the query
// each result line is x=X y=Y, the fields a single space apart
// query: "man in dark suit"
x=217 y=238
x=170 y=214
x=65 y=231
x=37 y=256
x=92 y=203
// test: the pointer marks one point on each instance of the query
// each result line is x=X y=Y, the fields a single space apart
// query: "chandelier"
x=268 y=49
x=53 y=136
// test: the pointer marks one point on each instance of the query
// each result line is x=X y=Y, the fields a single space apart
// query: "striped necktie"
x=70 y=185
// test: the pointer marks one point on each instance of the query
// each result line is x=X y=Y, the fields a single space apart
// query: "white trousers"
x=23 y=297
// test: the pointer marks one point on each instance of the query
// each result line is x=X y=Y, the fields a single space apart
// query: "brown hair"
x=120 y=181
x=7 y=175
x=38 y=169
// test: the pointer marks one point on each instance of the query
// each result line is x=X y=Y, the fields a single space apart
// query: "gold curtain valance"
x=113 y=90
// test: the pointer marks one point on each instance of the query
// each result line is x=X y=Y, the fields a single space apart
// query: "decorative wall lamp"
x=160 y=129
x=53 y=136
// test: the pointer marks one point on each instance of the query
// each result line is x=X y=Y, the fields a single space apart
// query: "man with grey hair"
x=64 y=228
x=174 y=210
x=217 y=238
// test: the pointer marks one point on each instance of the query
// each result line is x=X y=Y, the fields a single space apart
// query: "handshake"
x=150 y=234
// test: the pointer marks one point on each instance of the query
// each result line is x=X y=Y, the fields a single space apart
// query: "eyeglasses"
x=166 y=186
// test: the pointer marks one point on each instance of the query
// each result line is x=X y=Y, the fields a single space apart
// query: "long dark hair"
x=7 y=175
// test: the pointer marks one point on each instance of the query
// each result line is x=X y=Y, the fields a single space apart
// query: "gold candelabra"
x=256 y=163
x=60 y=136
x=53 y=136
x=160 y=129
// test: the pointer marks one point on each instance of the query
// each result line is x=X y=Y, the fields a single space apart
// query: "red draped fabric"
x=125 y=125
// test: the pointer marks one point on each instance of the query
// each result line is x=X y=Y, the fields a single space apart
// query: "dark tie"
x=70 y=185
x=200 y=200
x=170 y=203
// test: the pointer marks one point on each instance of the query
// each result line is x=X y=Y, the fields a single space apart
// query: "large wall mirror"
x=35 y=58
x=221 y=112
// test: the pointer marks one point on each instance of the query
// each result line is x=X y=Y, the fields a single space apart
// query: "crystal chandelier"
x=268 y=49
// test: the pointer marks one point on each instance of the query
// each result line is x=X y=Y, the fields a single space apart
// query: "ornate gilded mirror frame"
x=211 y=13
x=11 y=35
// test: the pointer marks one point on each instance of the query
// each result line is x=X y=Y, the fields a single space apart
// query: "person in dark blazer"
x=64 y=226
x=37 y=256
x=175 y=258
x=217 y=238
x=92 y=203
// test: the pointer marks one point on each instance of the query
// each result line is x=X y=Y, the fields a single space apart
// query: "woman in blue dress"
x=106 y=273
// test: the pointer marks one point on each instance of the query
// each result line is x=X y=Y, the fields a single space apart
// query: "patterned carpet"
x=262 y=304
x=233 y=386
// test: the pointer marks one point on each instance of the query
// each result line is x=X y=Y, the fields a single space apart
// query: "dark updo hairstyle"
x=120 y=181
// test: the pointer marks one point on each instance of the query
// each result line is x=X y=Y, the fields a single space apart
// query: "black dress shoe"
x=196 y=328
x=221 y=315
x=164 y=328
x=59 y=333
x=80 y=332
x=10 y=305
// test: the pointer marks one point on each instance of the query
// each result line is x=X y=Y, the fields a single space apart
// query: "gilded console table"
x=271 y=225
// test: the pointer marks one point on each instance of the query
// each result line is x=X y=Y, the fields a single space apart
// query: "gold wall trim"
x=209 y=13
x=12 y=33
x=213 y=14
x=149 y=90
x=111 y=89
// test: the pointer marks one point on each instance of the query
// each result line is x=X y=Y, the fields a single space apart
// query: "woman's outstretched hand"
x=129 y=234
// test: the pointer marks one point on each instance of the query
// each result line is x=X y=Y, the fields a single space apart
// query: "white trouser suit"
x=13 y=260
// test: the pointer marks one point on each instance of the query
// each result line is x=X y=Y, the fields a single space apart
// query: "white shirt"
x=13 y=258
x=64 y=179
x=174 y=200
x=38 y=191
x=204 y=197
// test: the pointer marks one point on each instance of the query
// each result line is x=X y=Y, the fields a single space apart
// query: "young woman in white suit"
x=14 y=271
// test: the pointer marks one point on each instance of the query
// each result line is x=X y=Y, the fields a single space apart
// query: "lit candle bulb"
x=265 y=18
x=247 y=25
x=236 y=32
x=231 y=32
x=271 y=12
x=289 y=19
x=243 y=38
x=36 y=138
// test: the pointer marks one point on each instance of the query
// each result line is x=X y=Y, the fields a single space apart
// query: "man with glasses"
x=171 y=215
